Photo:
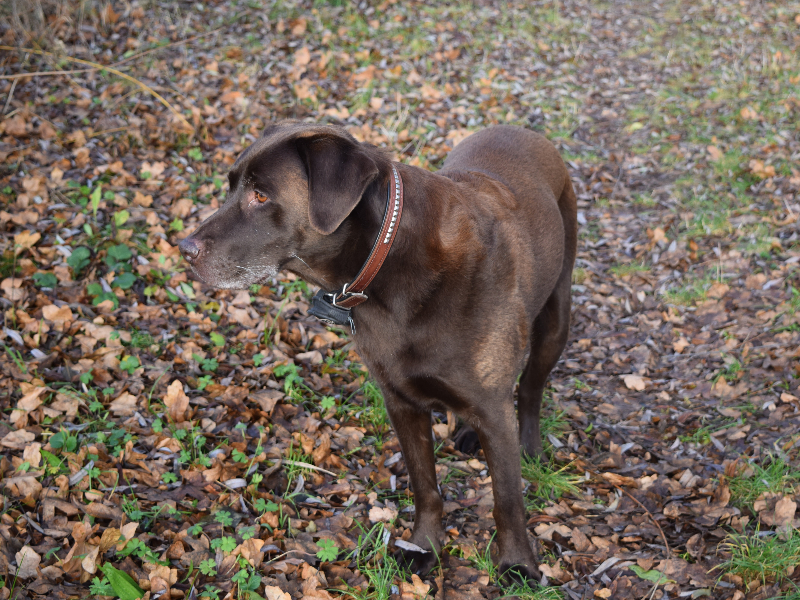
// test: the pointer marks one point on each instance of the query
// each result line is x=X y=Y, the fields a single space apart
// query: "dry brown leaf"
x=59 y=316
x=272 y=592
x=634 y=382
x=414 y=590
x=124 y=405
x=26 y=239
x=27 y=563
x=379 y=514
x=176 y=401
x=714 y=153
x=17 y=440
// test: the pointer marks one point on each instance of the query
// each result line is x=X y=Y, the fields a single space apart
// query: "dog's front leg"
x=413 y=429
x=497 y=431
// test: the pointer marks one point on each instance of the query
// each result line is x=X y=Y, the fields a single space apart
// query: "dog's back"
x=529 y=165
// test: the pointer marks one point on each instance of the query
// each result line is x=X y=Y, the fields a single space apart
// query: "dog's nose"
x=190 y=248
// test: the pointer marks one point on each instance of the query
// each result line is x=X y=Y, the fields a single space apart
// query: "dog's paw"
x=519 y=573
x=414 y=558
x=466 y=440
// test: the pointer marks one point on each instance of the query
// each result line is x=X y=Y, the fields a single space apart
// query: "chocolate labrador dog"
x=473 y=290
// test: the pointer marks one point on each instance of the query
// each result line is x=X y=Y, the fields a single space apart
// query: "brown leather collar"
x=352 y=294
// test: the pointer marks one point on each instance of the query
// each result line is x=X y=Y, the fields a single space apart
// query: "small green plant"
x=264 y=506
x=139 y=549
x=225 y=543
x=192 y=442
x=290 y=373
x=327 y=550
x=207 y=364
x=45 y=280
x=121 y=217
x=124 y=281
x=129 y=364
x=101 y=587
x=95 y=289
x=122 y=584
x=208 y=567
x=64 y=441
x=327 y=404
x=224 y=518
x=79 y=259
x=248 y=580
x=210 y=591
x=118 y=256
x=16 y=356
x=700 y=436
x=204 y=381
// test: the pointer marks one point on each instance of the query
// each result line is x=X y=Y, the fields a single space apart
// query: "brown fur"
x=475 y=290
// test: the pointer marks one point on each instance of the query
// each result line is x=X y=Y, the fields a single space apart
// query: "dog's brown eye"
x=261 y=197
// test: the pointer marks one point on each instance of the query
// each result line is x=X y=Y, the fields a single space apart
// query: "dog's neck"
x=341 y=255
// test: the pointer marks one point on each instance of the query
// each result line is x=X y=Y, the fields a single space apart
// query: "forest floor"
x=164 y=439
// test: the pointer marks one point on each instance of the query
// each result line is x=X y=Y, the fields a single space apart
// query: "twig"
x=10 y=96
x=115 y=130
x=306 y=465
x=170 y=45
x=649 y=514
x=116 y=64
x=116 y=72
x=16 y=76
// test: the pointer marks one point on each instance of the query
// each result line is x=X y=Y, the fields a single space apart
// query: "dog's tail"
x=568 y=205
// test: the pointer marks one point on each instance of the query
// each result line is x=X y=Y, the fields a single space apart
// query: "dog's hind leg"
x=413 y=429
x=550 y=332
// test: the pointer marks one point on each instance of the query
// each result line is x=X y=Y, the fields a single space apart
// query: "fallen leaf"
x=176 y=401
x=379 y=514
x=27 y=563
x=634 y=382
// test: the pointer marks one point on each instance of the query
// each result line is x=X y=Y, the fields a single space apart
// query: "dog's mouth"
x=234 y=277
x=222 y=272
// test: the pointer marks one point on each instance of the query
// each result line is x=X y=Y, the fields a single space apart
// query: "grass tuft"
x=548 y=483
x=763 y=557
x=524 y=591
x=775 y=476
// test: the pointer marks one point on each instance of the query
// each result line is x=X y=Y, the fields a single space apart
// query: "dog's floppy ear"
x=338 y=173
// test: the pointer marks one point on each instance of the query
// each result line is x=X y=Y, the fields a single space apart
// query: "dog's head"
x=290 y=193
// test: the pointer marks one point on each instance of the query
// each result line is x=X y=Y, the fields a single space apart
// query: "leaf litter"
x=163 y=439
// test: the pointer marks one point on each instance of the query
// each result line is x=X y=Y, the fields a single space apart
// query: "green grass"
x=764 y=558
x=689 y=293
x=548 y=482
x=380 y=569
x=629 y=269
x=775 y=476
x=525 y=591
